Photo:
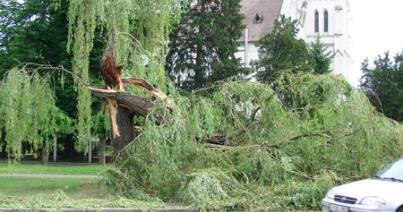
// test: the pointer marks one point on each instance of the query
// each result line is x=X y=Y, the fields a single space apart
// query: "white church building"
x=327 y=19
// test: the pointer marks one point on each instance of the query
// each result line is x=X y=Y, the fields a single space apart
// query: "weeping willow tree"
x=29 y=117
x=137 y=31
x=237 y=146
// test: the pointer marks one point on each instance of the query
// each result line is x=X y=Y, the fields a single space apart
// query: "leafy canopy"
x=203 y=45
x=281 y=50
x=321 y=57
x=288 y=155
x=383 y=84
x=29 y=116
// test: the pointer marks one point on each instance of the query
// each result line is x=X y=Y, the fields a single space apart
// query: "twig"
x=38 y=66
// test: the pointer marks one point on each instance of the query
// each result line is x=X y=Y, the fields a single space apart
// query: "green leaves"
x=29 y=115
x=281 y=50
x=321 y=57
x=383 y=84
x=203 y=45
x=326 y=133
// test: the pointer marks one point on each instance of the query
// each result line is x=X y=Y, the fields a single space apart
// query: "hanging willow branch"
x=28 y=112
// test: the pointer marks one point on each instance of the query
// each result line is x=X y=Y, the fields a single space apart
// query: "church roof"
x=267 y=10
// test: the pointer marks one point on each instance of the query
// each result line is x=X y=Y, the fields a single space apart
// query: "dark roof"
x=269 y=9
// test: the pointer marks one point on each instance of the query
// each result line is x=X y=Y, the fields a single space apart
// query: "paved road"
x=47 y=176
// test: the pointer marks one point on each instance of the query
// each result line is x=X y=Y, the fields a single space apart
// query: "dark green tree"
x=321 y=57
x=34 y=32
x=204 y=43
x=281 y=50
x=383 y=84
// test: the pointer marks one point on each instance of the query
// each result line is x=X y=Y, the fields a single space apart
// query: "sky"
x=376 y=27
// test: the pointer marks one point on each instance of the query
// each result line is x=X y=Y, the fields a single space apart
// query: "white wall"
x=252 y=54
x=338 y=37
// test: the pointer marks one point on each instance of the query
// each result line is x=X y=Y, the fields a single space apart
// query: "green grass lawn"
x=55 y=194
x=52 y=168
x=32 y=186
x=20 y=193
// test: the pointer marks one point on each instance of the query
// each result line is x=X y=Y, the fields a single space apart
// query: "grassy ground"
x=73 y=187
x=52 y=168
x=60 y=193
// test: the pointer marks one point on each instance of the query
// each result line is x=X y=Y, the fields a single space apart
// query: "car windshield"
x=393 y=171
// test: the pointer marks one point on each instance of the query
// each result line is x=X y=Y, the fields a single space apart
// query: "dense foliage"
x=321 y=57
x=204 y=43
x=238 y=146
x=32 y=32
x=383 y=84
x=288 y=155
x=29 y=115
x=281 y=50
x=137 y=32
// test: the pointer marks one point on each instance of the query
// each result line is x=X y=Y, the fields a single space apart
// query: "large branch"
x=137 y=104
x=217 y=141
x=142 y=83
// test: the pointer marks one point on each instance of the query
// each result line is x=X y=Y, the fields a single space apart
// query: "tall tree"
x=383 y=84
x=281 y=50
x=34 y=32
x=321 y=57
x=203 y=46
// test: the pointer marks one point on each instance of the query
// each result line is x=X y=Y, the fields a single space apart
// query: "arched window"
x=258 y=18
x=316 y=21
x=326 y=21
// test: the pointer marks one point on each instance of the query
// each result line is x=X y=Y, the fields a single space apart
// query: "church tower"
x=330 y=21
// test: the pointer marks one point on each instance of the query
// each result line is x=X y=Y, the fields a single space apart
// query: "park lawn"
x=52 y=168
x=34 y=186
x=55 y=194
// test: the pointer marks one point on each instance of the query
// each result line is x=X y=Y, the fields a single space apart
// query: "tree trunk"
x=90 y=150
x=101 y=151
x=55 y=149
x=45 y=156
x=122 y=107
x=124 y=121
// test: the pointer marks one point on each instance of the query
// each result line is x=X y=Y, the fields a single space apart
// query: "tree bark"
x=122 y=107
x=45 y=156
x=101 y=151
x=136 y=104
x=55 y=149
x=124 y=121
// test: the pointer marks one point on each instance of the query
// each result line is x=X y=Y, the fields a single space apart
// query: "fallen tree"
x=288 y=146
x=243 y=145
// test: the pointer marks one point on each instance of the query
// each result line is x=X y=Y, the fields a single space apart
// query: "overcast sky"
x=377 y=27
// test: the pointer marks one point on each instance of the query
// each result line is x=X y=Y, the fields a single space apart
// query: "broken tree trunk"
x=123 y=107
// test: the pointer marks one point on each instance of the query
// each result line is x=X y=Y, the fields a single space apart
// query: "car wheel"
x=400 y=209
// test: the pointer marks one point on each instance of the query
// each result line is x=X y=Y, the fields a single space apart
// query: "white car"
x=384 y=192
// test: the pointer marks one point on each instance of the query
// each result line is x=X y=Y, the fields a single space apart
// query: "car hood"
x=389 y=190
